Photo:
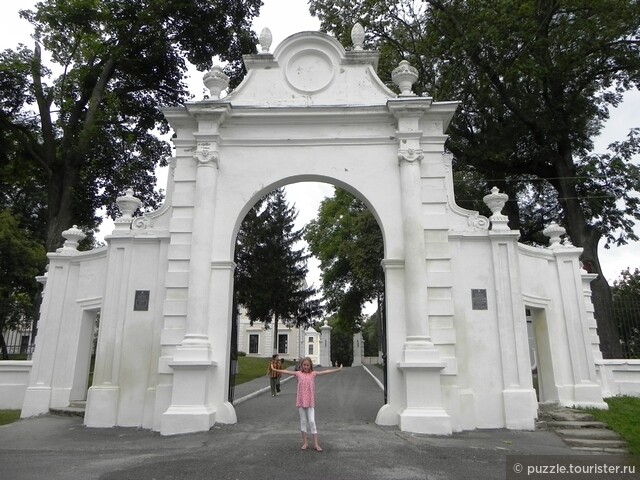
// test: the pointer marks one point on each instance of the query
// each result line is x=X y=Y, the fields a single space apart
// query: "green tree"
x=626 y=302
x=272 y=266
x=87 y=131
x=21 y=259
x=347 y=241
x=627 y=287
x=536 y=79
x=371 y=335
x=341 y=344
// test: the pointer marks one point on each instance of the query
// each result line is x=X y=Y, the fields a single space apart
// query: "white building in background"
x=293 y=342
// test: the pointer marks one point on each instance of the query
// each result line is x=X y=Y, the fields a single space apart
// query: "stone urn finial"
x=265 y=40
x=554 y=232
x=357 y=36
x=216 y=81
x=495 y=201
x=128 y=204
x=404 y=76
x=72 y=237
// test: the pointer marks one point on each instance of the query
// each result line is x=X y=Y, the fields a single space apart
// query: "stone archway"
x=311 y=111
x=456 y=282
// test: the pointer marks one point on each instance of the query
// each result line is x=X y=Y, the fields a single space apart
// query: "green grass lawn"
x=250 y=368
x=9 y=416
x=623 y=417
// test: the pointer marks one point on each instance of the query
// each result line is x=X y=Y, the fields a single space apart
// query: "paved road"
x=265 y=444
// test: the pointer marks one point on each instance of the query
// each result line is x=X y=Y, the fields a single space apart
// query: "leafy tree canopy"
x=21 y=259
x=535 y=80
x=347 y=240
x=627 y=287
x=84 y=125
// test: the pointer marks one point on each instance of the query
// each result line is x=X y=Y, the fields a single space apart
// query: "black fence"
x=627 y=316
x=16 y=345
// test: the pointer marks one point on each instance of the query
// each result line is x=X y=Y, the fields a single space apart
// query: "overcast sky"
x=286 y=17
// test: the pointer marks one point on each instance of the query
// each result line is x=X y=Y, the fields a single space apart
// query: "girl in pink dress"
x=305 y=399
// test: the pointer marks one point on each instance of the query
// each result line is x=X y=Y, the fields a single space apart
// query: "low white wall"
x=14 y=378
x=619 y=377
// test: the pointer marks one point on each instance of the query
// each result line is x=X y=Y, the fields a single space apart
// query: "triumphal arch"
x=460 y=350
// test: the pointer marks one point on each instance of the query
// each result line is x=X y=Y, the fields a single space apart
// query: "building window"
x=310 y=349
x=283 y=343
x=253 y=343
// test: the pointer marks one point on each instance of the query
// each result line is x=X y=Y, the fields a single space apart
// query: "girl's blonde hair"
x=307 y=359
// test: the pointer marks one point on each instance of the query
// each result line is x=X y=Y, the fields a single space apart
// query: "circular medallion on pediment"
x=309 y=71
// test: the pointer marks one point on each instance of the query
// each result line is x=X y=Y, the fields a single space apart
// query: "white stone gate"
x=456 y=289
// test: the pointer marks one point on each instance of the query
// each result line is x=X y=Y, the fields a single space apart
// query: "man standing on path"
x=274 y=375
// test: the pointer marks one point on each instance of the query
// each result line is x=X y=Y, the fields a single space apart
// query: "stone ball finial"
x=216 y=81
x=404 y=76
x=265 y=38
x=357 y=36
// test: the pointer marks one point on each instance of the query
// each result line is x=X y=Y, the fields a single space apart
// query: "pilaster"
x=518 y=395
x=586 y=391
x=192 y=409
x=421 y=365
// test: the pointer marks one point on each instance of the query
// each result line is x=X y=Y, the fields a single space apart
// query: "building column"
x=583 y=388
x=358 y=348
x=421 y=363
x=518 y=395
x=325 y=345
x=191 y=406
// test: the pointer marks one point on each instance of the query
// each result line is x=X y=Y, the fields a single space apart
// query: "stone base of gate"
x=36 y=401
x=102 y=406
x=190 y=410
x=520 y=408
x=424 y=412
x=431 y=421
x=187 y=419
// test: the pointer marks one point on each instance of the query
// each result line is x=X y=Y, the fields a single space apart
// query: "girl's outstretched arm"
x=288 y=372
x=324 y=372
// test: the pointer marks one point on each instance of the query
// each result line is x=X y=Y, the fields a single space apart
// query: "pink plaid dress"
x=306 y=393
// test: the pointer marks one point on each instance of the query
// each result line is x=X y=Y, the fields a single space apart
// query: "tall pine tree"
x=272 y=267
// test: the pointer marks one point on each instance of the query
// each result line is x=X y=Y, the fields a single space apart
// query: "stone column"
x=325 y=345
x=421 y=363
x=581 y=387
x=40 y=394
x=519 y=397
x=192 y=403
x=358 y=347
x=196 y=340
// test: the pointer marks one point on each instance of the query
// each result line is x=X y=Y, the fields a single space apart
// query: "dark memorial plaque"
x=479 y=299
x=141 y=302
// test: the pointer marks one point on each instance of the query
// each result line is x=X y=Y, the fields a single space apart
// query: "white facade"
x=293 y=343
x=457 y=283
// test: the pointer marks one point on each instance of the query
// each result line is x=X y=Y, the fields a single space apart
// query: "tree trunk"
x=584 y=235
x=602 y=303
x=60 y=202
